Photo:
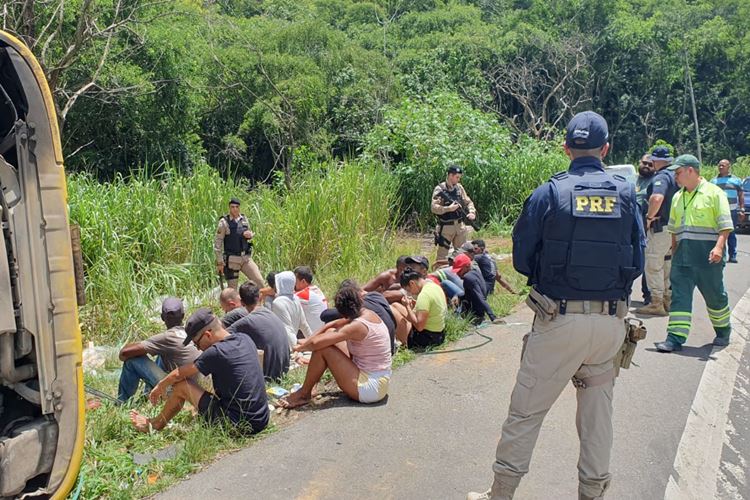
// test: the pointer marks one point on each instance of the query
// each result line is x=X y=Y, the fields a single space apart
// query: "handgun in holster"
x=544 y=307
x=635 y=331
x=441 y=240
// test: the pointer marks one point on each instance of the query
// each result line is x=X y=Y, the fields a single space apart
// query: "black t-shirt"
x=229 y=318
x=663 y=183
x=488 y=269
x=268 y=333
x=237 y=378
x=474 y=296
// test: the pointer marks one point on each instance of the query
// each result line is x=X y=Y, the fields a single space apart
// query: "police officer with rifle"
x=233 y=247
x=454 y=210
x=580 y=242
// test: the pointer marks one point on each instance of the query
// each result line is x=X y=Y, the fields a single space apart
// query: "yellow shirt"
x=432 y=300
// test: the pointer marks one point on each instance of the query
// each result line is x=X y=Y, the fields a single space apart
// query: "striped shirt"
x=732 y=186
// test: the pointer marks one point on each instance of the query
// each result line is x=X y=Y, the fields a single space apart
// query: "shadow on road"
x=702 y=353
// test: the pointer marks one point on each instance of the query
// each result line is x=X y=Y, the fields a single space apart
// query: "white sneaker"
x=473 y=495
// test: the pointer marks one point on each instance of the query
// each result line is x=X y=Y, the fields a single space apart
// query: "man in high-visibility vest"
x=700 y=223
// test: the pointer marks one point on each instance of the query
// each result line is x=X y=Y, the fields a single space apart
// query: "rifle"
x=462 y=212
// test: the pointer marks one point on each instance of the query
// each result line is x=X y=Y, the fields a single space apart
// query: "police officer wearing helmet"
x=452 y=205
x=233 y=247
x=580 y=242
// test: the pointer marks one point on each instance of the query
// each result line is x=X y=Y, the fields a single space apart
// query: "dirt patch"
x=500 y=247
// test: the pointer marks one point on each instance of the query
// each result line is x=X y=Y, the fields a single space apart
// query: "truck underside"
x=40 y=400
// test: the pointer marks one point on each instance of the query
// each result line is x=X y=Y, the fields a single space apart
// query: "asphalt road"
x=680 y=418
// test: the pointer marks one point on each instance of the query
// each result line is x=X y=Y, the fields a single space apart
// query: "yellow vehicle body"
x=41 y=381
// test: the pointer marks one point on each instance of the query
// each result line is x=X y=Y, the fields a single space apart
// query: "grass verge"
x=109 y=469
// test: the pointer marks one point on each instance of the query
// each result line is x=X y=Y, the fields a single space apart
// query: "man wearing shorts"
x=232 y=361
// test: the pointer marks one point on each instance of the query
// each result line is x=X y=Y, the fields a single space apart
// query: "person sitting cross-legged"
x=365 y=373
x=166 y=346
x=232 y=361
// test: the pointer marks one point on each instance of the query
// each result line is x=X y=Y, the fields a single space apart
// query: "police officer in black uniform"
x=580 y=242
x=233 y=247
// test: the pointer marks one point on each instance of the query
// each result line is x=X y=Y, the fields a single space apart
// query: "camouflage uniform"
x=233 y=250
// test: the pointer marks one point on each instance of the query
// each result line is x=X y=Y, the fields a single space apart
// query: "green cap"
x=685 y=161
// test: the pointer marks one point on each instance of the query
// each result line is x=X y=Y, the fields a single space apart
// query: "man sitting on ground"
x=365 y=375
x=266 y=330
x=422 y=324
x=486 y=265
x=289 y=308
x=311 y=297
x=232 y=362
x=385 y=280
x=488 y=268
x=268 y=292
x=230 y=303
x=167 y=346
x=475 y=301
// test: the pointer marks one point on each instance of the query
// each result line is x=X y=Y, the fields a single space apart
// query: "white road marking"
x=698 y=459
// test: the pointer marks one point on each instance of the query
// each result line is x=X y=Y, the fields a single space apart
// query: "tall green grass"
x=146 y=236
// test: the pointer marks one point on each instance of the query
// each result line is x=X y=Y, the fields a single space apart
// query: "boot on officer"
x=580 y=242
x=233 y=247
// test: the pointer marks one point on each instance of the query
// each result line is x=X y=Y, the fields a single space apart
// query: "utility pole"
x=689 y=81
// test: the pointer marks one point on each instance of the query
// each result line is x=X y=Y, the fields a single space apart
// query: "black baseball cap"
x=661 y=153
x=455 y=169
x=234 y=201
x=418 y=259
x=197 y=322
x=172 y=305
x=586 y=130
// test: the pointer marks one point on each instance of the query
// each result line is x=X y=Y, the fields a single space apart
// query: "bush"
x=419 y=138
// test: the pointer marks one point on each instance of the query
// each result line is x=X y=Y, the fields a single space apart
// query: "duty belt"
x=448 y=222
x=241 y=254
x=591 y=306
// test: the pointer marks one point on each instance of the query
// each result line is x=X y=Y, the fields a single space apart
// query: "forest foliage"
x=262 y=88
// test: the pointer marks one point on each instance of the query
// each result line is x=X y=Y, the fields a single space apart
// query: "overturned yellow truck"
x=41 y=382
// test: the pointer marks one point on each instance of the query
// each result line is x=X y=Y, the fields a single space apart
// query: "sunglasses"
x=197 y=340
x=647 y=163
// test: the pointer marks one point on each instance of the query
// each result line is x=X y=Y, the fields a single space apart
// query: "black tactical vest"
x=234 y=242
x=447 y=198
x=587 y=251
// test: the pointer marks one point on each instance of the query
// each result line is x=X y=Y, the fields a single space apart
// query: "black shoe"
x=733 y=260
x=721 y=341
x=668 y=346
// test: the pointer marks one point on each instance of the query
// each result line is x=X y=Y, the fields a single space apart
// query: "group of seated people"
x=264 y=329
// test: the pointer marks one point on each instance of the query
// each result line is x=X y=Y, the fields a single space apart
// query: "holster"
x=544 y=307
x=634 y=332
x=234 y=262
x=657 y=226
x=441 y=240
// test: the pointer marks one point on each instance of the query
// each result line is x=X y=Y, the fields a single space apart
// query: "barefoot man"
x=232 y=362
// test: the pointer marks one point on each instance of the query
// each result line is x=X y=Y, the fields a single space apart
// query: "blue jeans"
x=451 y=289
x=133 y=371
x=732 y=240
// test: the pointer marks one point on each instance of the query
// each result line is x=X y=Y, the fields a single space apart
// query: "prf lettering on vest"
x=596 y=204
